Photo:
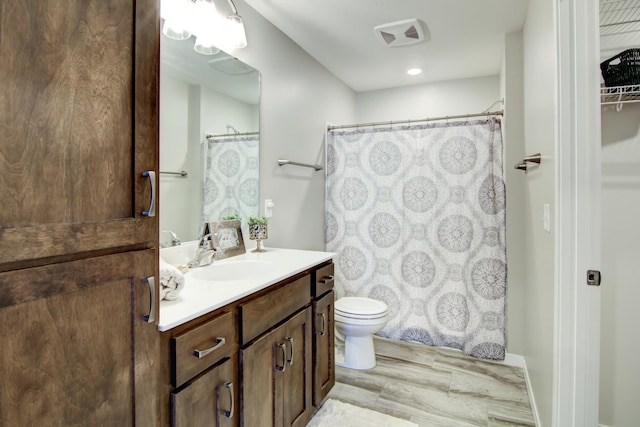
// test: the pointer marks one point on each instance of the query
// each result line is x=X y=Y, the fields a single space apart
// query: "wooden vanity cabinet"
x=324 y=369
x=273 y=341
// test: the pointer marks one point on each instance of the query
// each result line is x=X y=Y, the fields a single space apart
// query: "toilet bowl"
x=356 y=320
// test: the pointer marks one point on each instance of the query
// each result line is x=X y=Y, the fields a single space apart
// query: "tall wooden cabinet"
x=78 y=131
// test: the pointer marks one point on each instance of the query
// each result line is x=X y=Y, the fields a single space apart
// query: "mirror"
x=209 y=139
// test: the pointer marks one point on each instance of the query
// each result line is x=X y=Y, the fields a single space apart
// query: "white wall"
x=539 y=188
x=298 y=97
x=512 y=91
x=620 y=346
x=428 y=100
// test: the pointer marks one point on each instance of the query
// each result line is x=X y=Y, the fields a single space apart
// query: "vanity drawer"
x=260 y=314
x=204 y=345
x=323 y=280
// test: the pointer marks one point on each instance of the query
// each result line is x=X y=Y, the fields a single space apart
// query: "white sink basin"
x=232 y=270
x=181 y=254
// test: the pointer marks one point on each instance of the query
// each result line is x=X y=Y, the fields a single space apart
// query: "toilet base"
x=359 y=353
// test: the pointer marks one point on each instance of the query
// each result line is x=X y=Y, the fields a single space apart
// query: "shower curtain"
x=231 y=176
x=416 y=215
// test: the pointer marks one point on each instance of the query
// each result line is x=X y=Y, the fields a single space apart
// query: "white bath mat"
x=335 y=413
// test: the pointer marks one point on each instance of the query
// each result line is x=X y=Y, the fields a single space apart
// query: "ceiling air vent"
x=401 y=33
x=229 y=65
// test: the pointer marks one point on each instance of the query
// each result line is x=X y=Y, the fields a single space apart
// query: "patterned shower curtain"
x=416 y=215
x=231 y=184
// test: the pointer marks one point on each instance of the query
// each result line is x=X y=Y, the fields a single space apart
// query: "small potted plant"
x=231 y=217
x=258 y=231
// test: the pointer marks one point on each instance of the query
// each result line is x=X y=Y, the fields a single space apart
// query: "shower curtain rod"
x=220 y=135
x=428 y=119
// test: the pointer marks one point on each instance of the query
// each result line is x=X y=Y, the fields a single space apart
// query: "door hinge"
x=593 y=277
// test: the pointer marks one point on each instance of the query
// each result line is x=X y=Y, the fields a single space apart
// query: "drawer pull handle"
x=202 y=353
x=152 y=202
x=282 y=368
x=324 y=325
x=152 y=291
x=327 y=279
x=290 y=360
x=229 y=413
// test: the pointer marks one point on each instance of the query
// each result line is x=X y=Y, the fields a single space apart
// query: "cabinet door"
x=147 y=348
x=78 y=126
x=324 y=364
x=261 y=366
x=276 y=375
x=297 y=387
x=67 y=353
x=209 y=400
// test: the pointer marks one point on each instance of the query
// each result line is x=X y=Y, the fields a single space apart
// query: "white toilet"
x=356 y=320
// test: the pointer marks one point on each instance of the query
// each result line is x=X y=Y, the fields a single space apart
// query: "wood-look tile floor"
x=437 y=387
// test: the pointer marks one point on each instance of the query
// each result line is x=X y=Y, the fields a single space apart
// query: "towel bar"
x=181 y=173
x=282 y=162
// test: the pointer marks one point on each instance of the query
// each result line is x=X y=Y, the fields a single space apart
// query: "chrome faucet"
x=175 y=241
x=204 y=253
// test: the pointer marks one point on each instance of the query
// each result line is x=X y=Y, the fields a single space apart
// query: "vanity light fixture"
x=213 y=30
x=414 y=71
x=176 y=16
x=235 y=29
x=206 y=27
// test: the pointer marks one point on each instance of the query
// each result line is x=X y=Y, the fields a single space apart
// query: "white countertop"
x=201 y=296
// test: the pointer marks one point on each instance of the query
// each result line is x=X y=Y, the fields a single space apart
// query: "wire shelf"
x=619 y=17
x=618 y=95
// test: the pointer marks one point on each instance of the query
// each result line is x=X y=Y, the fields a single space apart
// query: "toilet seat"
x=360 y=308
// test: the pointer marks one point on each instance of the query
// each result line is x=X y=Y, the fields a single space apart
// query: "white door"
x=577 y=335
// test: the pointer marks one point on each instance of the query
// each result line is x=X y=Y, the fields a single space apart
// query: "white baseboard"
x=514 y=360
x=519 y=362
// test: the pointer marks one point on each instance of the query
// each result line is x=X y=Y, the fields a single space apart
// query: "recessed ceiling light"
x=414 y=71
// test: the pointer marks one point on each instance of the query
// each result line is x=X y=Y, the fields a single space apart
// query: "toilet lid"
x=359 y=306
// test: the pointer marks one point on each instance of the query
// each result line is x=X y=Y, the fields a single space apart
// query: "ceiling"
x=463 y=38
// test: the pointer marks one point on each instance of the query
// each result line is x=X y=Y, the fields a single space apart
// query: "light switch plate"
x=546 y=217
x=268 y=208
